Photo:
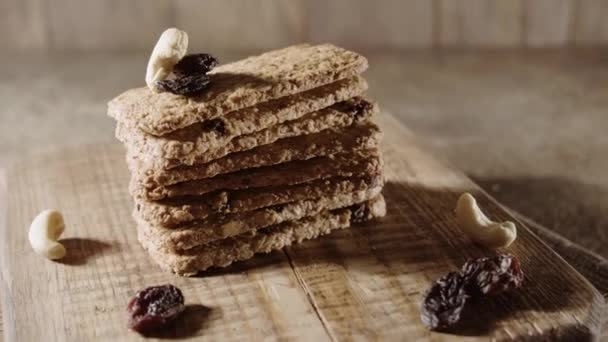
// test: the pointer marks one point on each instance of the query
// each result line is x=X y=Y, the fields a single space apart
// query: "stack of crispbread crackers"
x=280 y=148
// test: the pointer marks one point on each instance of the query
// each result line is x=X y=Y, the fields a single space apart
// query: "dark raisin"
x=360 y=213
x=216 y=125
x=444 y=301
x=278 y=208
x=491 y=276
x=357 y=107
x=226 y=208
x=195 y=64
x=187 y=85
x=154 y=307
x=222 y=202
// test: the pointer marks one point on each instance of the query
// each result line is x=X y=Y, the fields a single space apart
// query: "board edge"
x=7 y=332
x=591 y=328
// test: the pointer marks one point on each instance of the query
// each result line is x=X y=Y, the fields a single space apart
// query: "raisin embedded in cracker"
x=216 y=125
x=360 y=213
x=360 y=107
x=356 y=107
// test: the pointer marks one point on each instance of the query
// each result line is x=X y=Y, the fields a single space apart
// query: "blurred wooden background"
x=243 y=25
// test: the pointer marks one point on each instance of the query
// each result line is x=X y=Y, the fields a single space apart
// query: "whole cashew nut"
x=480 y=228
x=171 y=46
x=44 y=232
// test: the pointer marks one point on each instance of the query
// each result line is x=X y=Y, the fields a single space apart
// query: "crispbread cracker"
x=176 y=211
x=352 y=139
x=350 y=165
x=238 y=85
x=342 y=114
x=197 y=142
x=203 y=232
x=224 y=252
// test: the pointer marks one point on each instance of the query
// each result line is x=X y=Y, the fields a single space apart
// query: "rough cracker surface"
x=342 y=114
x=176 y=211
x=350 y=165
x=195 y=142
x=212 y=229
x=352 y=139
x=238 y=85
x=224 y=252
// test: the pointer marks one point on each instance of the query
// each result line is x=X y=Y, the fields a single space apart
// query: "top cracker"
x=238 y=85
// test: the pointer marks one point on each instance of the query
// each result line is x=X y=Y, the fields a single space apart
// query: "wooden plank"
x=480 y=23
x=23 y=25
x=263 y=24
x=84 y=297
x=591 y=27
x=240 y=24
x=3 y=223
x=107 y=25
x=415 y=244
x=361 y=24
x=366 y=282
x=547 y=22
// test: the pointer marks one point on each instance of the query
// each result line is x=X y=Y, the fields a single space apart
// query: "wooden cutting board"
x=363 y=283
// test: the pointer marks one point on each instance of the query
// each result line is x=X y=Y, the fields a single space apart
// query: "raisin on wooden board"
x=195 y=64
x=187 y=85
x=153 y=307
x=492 y=276
x=446 y=299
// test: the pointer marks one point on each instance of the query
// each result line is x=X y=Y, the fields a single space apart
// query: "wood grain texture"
x=590 y=265
x=3 y=223
x=548 y=22
x=383 y=24
x=480 y=23
x=591 y=26
x=240 y=24
x=23 y=25
x=365 y=282
x=108 y=25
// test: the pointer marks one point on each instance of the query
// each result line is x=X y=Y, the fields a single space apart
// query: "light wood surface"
x=102 y=25
x=365 y=282
x=590 y=24
x=23 y=25
x=108 y=25
x=372 y=24
x=544 y=29
x=481 y=23
x=240 y=24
